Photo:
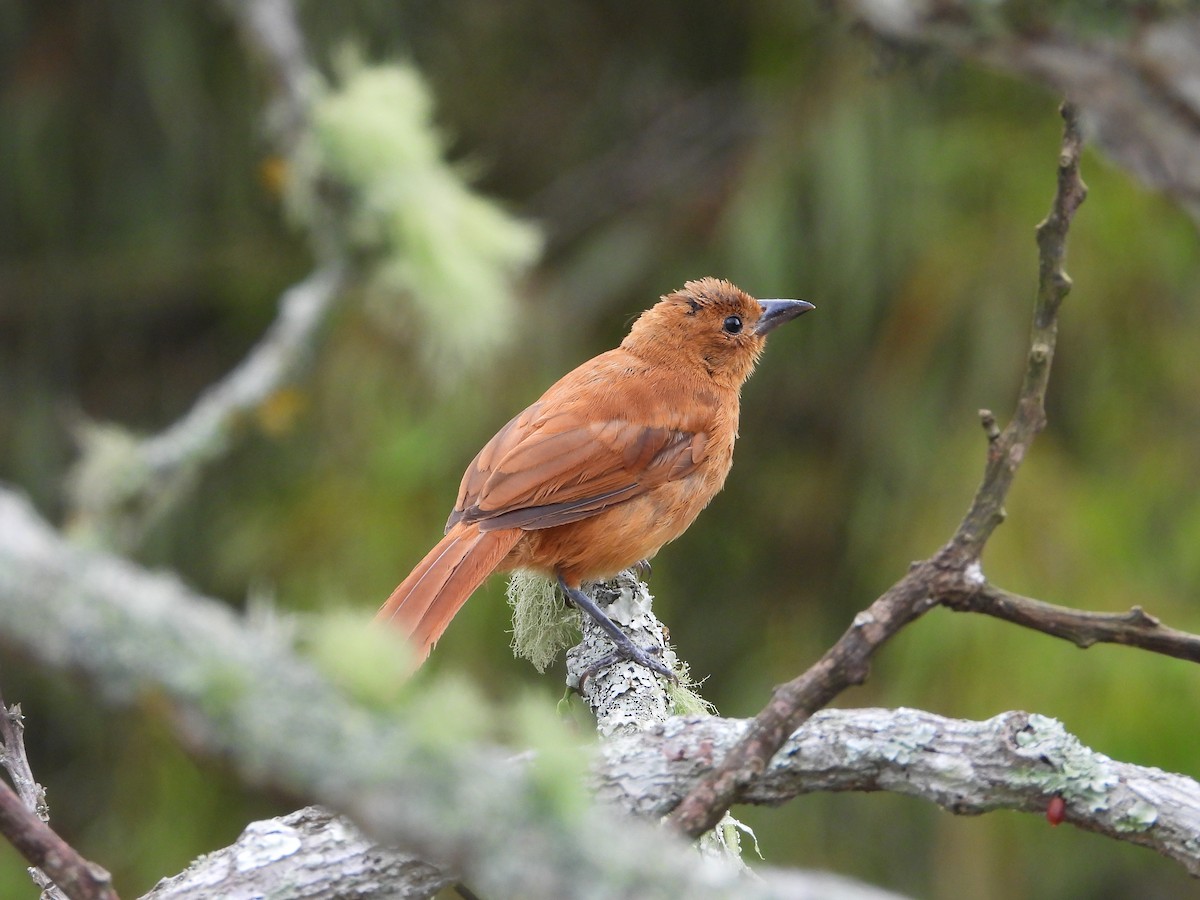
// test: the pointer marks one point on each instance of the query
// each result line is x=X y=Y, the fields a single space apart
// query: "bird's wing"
x=543 y=469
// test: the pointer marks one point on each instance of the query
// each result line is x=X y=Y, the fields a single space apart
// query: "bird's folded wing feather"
x=545 y=470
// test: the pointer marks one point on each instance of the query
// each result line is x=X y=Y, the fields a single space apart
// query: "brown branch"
x=1008 y=449
x=1135 y=628
x=58 y=869
x=951 y=573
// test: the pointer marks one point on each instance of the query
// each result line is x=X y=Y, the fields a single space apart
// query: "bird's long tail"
x=425 y=602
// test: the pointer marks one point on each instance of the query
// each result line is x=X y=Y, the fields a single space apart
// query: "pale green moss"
x=685 y=699
x=725 y=841
x=543 y=625
x=559 y=763
x=436 y=248
x=371 y=664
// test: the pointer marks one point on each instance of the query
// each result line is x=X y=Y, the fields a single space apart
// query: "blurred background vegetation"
x=144 y=242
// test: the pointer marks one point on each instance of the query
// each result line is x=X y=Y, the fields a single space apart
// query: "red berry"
x=1056 y=810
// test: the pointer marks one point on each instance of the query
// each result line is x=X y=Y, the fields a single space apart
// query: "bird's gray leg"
x=626 y=649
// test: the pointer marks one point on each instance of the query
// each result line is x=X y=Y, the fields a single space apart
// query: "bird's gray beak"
x=776 y=312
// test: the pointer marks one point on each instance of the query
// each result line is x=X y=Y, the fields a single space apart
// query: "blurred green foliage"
x=142 y=249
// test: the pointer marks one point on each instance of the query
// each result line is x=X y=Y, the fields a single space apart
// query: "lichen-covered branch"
x=122 y=484
x=364 y=171
x=305 y=855
x=624 y=697
x=271 y=32
x=242 y=694
x=313 y=854
x=650 y=758
x=1016 y=761
x=951 y=573
x=239 y=692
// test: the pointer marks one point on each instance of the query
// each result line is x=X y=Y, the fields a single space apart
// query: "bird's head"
x=710 y=325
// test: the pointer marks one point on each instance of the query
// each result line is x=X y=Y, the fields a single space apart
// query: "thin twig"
x=1135 y=628
x=56 y=867
x=1007 y=450
x=16 y=762
x=952 y=572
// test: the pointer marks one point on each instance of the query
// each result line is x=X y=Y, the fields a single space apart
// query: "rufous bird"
x=616 y=459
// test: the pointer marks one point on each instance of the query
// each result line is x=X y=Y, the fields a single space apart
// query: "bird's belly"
x=602 y=545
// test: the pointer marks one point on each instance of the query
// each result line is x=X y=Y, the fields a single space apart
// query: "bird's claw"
x=641 y=569
x=647 y=658
x=625 y=647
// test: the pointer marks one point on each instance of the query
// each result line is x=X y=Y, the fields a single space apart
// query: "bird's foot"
x=626 y=649
x=633 y=653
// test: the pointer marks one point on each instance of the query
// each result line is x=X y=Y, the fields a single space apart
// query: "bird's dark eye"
x=733 y=324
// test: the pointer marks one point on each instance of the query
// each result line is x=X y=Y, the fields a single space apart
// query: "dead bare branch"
x=954 y=571
x=56 y=866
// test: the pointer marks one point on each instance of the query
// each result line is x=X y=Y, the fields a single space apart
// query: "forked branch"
x=951 y=574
